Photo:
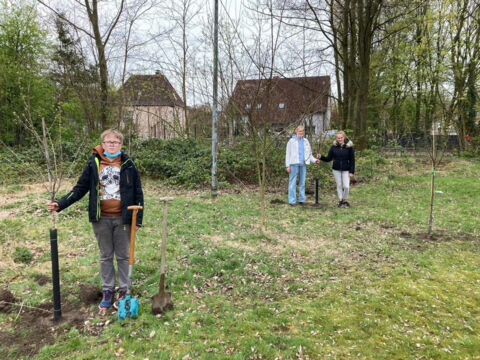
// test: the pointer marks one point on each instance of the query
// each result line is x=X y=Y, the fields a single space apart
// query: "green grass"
x=328 y=283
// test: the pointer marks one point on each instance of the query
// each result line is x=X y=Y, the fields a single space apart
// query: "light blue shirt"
x=301 y=151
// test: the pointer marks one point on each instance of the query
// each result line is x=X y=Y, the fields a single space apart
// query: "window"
x=248 y=106
x=281 y=106
x=259 y=106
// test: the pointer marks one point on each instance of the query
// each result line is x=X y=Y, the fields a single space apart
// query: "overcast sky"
x=156 y=42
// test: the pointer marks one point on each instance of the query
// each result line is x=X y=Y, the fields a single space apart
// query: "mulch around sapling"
x=28 y=329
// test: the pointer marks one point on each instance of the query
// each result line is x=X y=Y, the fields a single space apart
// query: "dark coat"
x=343 y=157
x=131 y=192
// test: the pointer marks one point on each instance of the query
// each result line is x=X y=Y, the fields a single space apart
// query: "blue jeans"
x=297 y=172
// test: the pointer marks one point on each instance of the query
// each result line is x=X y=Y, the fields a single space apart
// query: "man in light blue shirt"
x=298 y=156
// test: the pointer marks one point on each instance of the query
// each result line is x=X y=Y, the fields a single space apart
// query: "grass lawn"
x=317 y=283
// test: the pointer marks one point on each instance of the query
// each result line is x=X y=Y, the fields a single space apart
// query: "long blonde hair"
x=345 y=137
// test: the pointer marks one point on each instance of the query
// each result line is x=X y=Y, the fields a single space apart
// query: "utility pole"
x=215 y=105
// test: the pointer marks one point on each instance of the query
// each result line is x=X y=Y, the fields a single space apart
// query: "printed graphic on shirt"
x=110 y=181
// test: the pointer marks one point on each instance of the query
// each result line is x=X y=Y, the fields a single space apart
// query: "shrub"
x=180 y=161
x=473 y=147
x=186 y=162
x=238 y=163
x=368 y=162
x=25 y=165
x=28 y=163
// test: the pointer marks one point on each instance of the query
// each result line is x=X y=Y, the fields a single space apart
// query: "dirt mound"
x=34 y=327
x=89 y=294
x=7 y=300
x=42 y=279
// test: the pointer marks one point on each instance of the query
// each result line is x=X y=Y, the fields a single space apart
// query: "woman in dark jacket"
x=343 y=156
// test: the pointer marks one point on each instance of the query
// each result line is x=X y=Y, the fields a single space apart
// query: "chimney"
x=158 y=72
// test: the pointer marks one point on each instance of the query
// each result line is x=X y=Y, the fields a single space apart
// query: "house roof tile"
x=300 y=96
x=150 y=90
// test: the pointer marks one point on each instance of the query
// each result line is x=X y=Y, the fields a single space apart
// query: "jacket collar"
x=348 y=144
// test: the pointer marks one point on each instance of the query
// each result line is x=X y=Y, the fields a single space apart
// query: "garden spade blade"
x=162 y=302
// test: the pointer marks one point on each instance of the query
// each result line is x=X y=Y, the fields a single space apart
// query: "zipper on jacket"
x=124 y=165
x=97 y=162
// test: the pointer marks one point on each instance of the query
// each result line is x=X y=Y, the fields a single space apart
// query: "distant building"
x=152 y=107
x=280 y=103
x=200 y=119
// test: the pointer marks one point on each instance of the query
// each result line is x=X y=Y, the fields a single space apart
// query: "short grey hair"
x=113 y=132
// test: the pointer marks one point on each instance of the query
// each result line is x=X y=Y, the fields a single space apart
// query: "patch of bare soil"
x=7 y=301
x=7 y=215
x=42 y=279
x=440 y=236
x=29 y=329
x=90 y=295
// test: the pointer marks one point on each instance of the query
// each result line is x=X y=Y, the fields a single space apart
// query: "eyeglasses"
x=112 y=142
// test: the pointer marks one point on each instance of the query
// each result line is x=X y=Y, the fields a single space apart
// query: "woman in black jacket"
x=343 y=156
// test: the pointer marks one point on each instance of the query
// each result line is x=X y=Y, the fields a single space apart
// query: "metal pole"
x=215 y=105
x=316 y=191
x=57 y=305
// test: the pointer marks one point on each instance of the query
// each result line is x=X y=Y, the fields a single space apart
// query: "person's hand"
x=53 y=206
x=289 y=169
x=353 y=179
x=318 y=161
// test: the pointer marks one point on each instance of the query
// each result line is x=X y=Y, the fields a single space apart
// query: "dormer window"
x=259 y=106
x=248 y=106
x=281 y=106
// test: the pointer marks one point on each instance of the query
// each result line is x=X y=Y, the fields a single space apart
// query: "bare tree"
x=99 y=30
x=178 y=49
x=132 y=43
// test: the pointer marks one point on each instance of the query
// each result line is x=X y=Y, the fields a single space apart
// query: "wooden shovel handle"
x=133 y=207
x=133 y=232
x=163 y=263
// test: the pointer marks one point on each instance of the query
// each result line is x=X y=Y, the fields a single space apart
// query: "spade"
x=162 y=302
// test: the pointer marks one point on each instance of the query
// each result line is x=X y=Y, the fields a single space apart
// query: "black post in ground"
x=57 y=305
x=316 y=192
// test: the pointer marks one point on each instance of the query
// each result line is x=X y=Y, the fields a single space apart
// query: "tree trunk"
x=365 y=18
x=418 y=75
x=342 y=114
x=104 y=105
x=184 y=74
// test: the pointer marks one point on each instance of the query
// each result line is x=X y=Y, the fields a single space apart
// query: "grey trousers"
x=113 y=241
x=342 y=178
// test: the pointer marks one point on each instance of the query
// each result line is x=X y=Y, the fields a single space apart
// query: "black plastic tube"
x=316 y=191
x=57 y=305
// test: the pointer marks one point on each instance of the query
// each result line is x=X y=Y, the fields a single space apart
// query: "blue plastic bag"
x=129 y=307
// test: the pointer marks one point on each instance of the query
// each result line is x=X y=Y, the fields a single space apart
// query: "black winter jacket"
x=343 y=157
x=131 y=192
